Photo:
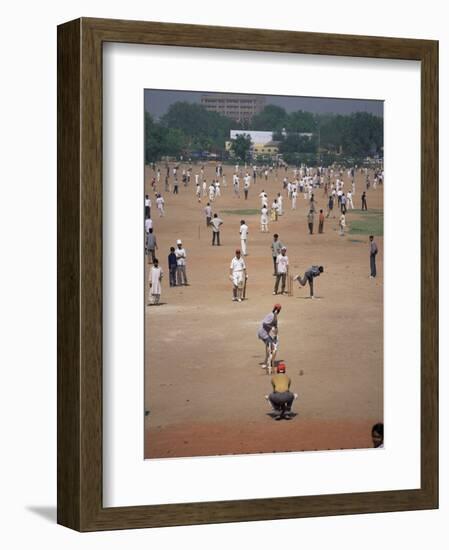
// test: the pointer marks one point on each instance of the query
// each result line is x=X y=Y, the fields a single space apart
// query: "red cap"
x=237 y=251
x=281 y=367
x=277 y=306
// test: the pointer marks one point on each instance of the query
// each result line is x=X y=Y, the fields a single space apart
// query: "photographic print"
x=263 y=220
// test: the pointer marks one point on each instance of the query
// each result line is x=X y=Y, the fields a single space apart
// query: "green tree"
x=202 y=129
x=358 y=134
x=295 y=143
x=241 y=145
x=301 y=121
x=161 y=141
x=272 y=118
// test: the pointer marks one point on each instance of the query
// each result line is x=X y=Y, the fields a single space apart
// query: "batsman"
x=268 y=333
x=238 y=276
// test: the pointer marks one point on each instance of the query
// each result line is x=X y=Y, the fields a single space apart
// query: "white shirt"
x=148 y=202
x=180 y=256
x=160 y=202
x=282 y=263
x=237 y=264
x=243 y=231
x=148 y=224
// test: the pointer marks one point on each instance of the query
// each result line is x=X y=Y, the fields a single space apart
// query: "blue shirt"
x=172 y=260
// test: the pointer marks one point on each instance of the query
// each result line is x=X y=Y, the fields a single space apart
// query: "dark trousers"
x=303 y=280
x=343 y=208
x=151 y=252
x=364 y=206
x=372 y=261
x=172 y=275
x=216 y=237
x=175 y=190
x=281 y=399
x=320 y=227
x=311 y=228
x=246 y=193
x=279 y=277
x=275 y=266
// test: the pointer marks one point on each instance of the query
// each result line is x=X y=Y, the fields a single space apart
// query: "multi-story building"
x=240 y=108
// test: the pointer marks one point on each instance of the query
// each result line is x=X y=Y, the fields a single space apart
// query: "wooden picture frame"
x=80 y=504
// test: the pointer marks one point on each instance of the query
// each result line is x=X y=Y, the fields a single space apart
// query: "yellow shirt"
x=280 y=382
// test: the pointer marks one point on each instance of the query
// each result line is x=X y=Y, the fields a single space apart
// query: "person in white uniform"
x=148 y=225
x=181 y=255
x=243 y=237
x=160 y=205
x=294 y=198
x=281 y=270
x=264 y=219
x=155 y=279
x=237 y=274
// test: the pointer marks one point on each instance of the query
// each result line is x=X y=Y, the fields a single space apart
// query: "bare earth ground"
x=204 y=388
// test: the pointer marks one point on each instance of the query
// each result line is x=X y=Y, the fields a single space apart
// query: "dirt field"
x=204 y=388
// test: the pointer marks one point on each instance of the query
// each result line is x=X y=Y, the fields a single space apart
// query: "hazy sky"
x=157 y=103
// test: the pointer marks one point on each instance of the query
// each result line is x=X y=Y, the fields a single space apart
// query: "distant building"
x=270 y=149
x=240 y=108
x=255 y=135
x=262 y=144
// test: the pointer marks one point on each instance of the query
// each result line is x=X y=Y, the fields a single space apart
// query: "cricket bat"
x=244 y=289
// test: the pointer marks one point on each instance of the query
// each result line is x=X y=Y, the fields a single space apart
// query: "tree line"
x=188 y=127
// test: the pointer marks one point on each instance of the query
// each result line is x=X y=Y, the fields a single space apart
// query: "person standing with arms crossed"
x=372 y=256
x=243 y=237
x=181 y=255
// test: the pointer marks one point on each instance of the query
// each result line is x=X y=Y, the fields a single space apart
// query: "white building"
x=259 y=137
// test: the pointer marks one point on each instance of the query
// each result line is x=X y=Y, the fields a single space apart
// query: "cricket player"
x=181 y=255
x=155 y=279
x=281 y=270
x=309 y=275
x=243 y=237
x=238 y=276
x=160 y=205
x=268 y=331
x=264 y=220
x=372 y=256
x=281 y=398
x=294 y=198
x=236 y=185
